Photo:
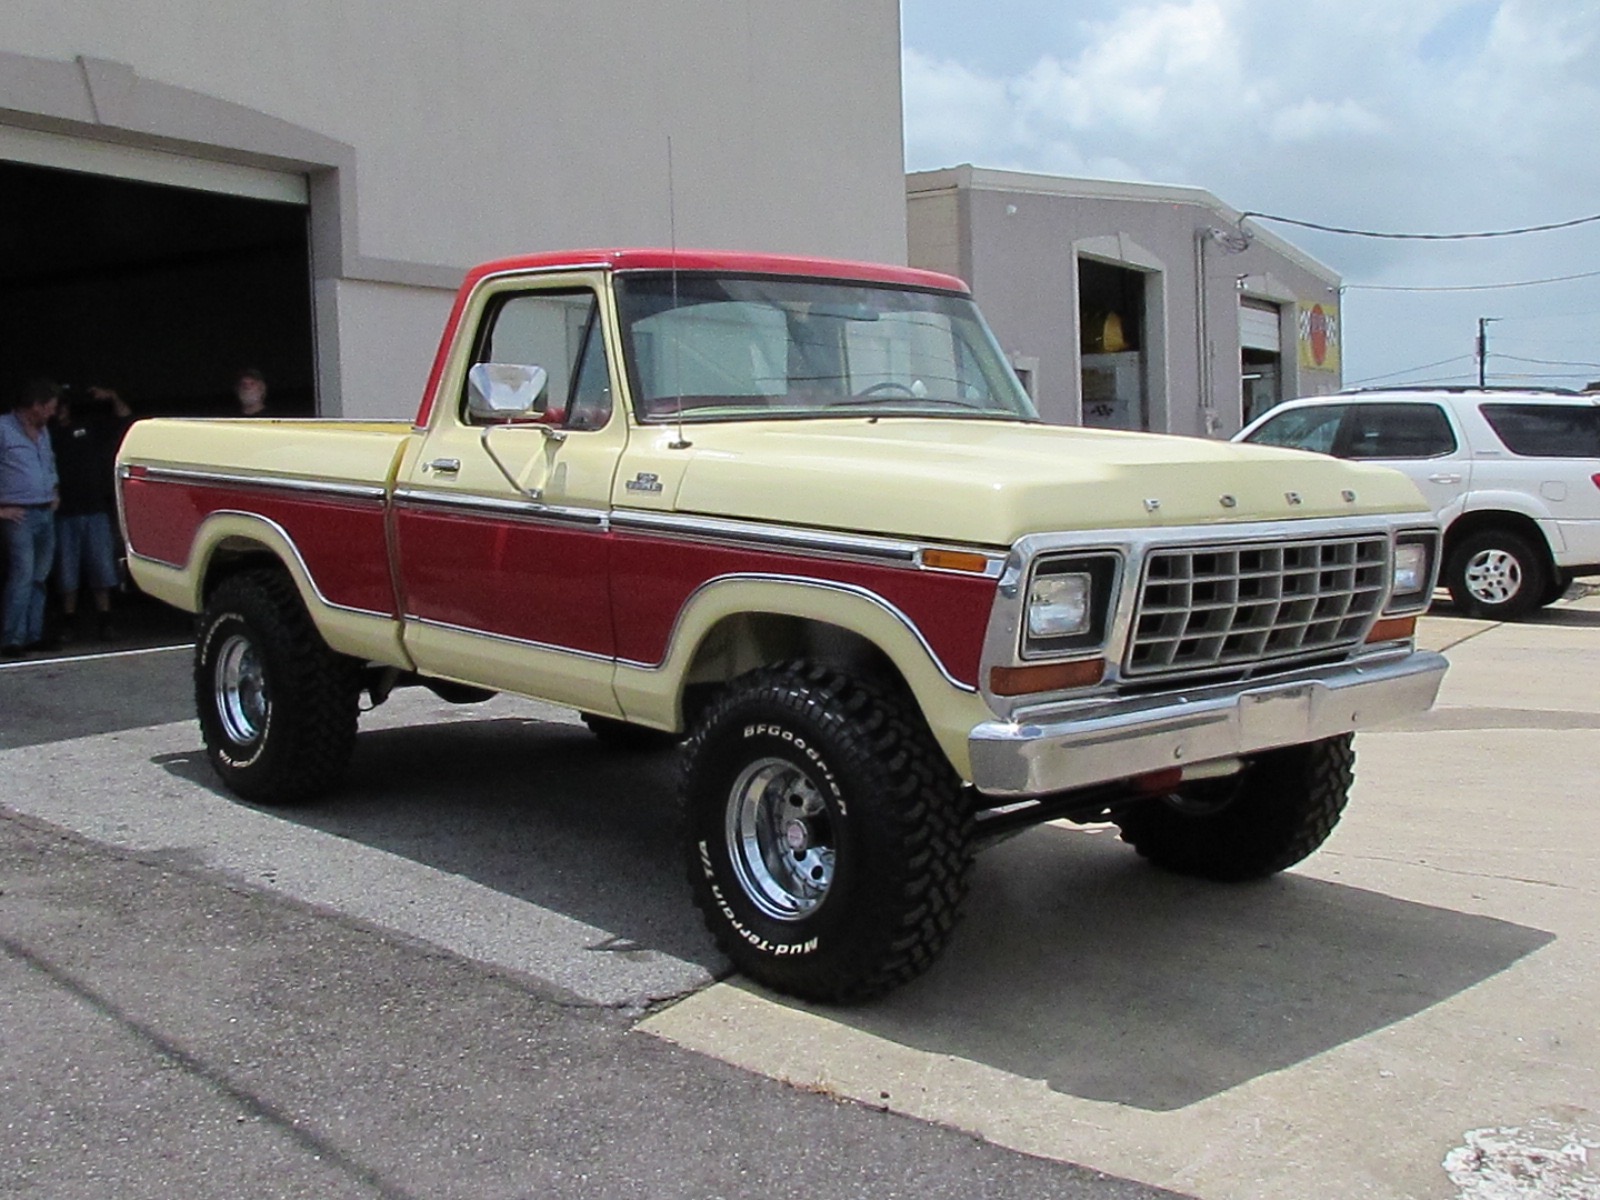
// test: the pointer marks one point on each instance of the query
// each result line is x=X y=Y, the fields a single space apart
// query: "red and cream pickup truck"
x=800 y=513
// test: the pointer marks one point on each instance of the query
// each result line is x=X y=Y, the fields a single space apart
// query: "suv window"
x=1546 y=430
x=1397 y=431
x=1311 y=428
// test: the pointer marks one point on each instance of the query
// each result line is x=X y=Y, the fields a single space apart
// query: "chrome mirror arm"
x=551 y=437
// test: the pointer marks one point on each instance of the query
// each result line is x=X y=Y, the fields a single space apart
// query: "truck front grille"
x=1211 y=607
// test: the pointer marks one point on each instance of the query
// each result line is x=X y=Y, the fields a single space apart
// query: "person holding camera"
x=28 y=500
x=87 y=431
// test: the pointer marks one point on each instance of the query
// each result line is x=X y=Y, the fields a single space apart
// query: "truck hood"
x=989 y=483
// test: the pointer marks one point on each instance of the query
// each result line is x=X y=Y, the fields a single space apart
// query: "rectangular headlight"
x=1060 y=605
x=1416 y=563
x=1410 y=568
x=1068 y=604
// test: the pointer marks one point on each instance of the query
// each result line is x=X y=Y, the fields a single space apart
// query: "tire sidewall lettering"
x=778 y=949
x=813 y=756
x=234 y=754
x=777 y=940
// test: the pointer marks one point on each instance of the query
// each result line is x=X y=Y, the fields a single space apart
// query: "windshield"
x=720 y=347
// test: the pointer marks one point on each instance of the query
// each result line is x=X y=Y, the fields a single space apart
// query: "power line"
x=1420 y=237
x=1411 y=370
x=1469 y=287
x=1547 y=362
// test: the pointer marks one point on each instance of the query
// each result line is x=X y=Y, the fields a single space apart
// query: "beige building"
x=1129 y=305
x=189 y=187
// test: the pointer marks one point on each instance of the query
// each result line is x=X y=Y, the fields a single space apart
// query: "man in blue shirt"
x=28 y=500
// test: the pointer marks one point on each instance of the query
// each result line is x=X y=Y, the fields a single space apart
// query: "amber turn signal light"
x=1392 y=629
x=956 y=560
x=1046 y=677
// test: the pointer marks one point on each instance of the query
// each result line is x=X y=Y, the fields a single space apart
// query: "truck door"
x=500 y=526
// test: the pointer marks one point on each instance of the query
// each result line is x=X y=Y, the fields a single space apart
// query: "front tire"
x=828 y=836
x=277 y=707
x=1273 y=814
x=1497 y=575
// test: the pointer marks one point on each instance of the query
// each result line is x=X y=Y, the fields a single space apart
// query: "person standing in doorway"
x=250 y=386
x=87 y=431
x=28 y=498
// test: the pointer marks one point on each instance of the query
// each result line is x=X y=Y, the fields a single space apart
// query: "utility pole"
x=1483 y=347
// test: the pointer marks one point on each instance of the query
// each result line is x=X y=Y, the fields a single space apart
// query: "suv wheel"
x=1497 y=575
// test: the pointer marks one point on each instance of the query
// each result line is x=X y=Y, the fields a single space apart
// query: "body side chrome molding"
x=503 y=508
x=352 y=491
x=896 y=552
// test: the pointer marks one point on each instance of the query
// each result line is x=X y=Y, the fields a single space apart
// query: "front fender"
x=652 y=694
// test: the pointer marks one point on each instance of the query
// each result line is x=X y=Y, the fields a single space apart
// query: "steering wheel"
x=886 y=386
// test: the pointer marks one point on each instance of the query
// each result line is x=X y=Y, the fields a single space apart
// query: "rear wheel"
x=1497 y=575
x=1271 y=815
x=277 y=707
x=828 y=835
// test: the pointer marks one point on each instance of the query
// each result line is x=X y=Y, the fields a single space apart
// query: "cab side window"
x=1397 y=431
x=559 y=331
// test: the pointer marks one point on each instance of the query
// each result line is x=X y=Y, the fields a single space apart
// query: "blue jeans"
x=30 y=548
x=85 y=550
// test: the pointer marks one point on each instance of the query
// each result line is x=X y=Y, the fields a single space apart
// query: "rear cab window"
x=1546 y=430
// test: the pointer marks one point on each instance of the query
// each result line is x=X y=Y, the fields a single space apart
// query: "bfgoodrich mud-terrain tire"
x=828 y=836
x=277 y=707
x=1497 y=575
x=1274 y=813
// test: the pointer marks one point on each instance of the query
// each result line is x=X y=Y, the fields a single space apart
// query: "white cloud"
x=1310 y=120
x=1433 y=115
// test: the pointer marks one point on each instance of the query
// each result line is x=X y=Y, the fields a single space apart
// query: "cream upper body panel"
x=309 y=451
x=991 y=482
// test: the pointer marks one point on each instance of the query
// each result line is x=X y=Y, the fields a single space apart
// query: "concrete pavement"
x=1407 y=1014
x=1422 y=989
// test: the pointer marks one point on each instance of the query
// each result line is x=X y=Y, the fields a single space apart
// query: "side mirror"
x=506 y=391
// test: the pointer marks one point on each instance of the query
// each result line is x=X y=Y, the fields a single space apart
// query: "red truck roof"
x=636 y=259
x=645 y=259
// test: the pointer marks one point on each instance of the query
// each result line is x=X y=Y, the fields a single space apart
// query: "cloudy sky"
x=1410 y=116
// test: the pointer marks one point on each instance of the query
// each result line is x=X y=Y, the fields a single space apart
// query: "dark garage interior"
x=161 y=293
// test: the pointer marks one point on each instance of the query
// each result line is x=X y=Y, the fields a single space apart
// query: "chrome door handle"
x=1444 y=477
x=443 y=466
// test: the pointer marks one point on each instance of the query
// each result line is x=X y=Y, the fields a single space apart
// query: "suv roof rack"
x=1461 y=388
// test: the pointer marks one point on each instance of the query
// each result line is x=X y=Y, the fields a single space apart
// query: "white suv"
x=1513 y=475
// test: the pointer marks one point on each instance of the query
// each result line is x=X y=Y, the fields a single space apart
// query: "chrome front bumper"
x=1101 y=741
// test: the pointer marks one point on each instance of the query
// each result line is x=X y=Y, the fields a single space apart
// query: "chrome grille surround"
x=1211 y=607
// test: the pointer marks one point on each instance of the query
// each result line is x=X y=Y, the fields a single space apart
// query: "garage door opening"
x=162 y=293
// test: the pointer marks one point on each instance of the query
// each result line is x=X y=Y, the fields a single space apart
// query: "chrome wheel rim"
x=241 y=690
x=1493 y=576
x=780 y=839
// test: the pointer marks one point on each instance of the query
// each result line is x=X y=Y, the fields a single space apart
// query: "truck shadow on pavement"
x=537 y=810
x=1077 y=963
x=1082 y=966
